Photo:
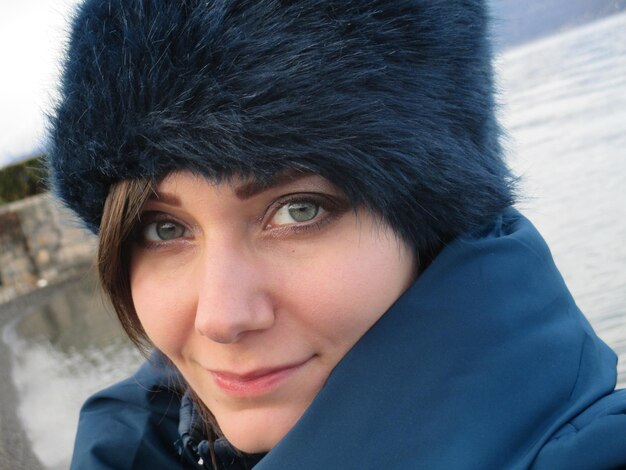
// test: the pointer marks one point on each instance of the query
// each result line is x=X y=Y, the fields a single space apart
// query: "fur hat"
x=392 y=101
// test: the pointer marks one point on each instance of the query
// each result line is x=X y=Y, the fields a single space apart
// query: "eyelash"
x=149 y=218
x=331 y=208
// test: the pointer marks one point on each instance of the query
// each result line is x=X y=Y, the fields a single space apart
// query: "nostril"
x=234 y=317
x=222 y=336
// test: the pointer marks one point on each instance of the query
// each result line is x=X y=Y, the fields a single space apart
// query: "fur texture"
x=390 y=100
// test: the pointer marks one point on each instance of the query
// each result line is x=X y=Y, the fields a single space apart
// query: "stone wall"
x=40 y=243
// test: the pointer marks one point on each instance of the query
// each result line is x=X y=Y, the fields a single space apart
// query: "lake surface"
x=564 y=106
x=66 y=348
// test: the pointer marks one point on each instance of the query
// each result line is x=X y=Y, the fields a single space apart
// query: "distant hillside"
x=519 y=21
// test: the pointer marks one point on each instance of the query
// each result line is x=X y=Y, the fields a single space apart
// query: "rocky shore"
x=41 y=247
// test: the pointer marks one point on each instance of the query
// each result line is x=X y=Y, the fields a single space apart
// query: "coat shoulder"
x=132 y=424
x=594 y=440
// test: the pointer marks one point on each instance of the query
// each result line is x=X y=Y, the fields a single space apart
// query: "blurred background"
x=561 y=75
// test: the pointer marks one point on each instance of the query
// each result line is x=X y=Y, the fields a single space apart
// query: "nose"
x=232 y=296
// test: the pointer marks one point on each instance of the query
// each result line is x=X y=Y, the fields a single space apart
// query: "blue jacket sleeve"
x=596 y=439
x=131 y=425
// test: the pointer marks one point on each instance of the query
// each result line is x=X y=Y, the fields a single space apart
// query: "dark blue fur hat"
x=390 y=100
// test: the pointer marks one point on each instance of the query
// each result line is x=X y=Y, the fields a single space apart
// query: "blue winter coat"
x=484 y=363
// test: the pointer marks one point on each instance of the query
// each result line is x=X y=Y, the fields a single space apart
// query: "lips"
x=257 y=382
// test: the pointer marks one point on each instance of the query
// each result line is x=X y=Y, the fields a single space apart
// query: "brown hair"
x=120 y=216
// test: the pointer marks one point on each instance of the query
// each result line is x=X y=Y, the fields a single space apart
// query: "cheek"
x=343 y=290
x=164 y=306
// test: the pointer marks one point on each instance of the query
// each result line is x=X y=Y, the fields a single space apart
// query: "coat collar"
x=475 y=366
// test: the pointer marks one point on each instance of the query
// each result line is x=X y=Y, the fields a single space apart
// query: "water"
x=564 y=105
x=67 y=348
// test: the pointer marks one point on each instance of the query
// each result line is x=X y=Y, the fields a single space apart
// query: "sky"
x=32 y=38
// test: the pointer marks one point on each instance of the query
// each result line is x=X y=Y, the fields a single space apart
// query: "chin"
x=255 y=441
x=254 y=431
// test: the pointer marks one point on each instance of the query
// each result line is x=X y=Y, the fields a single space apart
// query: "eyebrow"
x=168 y=198
x=244 y=191
x=256 y=186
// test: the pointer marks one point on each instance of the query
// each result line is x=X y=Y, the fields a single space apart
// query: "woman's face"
x=256 y=293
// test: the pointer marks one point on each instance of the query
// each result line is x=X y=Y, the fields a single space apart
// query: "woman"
x=304 y=211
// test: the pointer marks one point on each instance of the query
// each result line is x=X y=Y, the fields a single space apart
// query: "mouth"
x=255 y=383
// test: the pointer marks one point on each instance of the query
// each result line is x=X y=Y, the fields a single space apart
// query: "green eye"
x=303 y=211
x=163 y=231
x=296 y=212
